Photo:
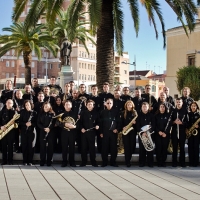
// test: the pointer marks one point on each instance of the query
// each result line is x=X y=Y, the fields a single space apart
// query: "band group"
x=50 y=120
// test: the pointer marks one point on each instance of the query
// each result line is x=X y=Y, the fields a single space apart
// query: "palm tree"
x=61 y=30
x=107 y=19
x=25 y=41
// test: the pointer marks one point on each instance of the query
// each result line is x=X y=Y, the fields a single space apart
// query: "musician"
x=76 y=102
x=35 y=86
x=68 y=135
x=138 y=100
x=162 y=133
x=7 y=93
x=145 y=118
x=119 y=87
x=187 y=100
x=105 y=95
x=46 y=124
x=72 y=86
x=18 y=105
x=178 y=136
x=169 y=98
x=89 y=123
x=58 y=108
x=109 y=127
x=126 y=94
x=38 y=108
x=129 y=140
x=28 y=95
x=82 y=91
x=193 y=140
x=66 y=95
x=47 y=97
x=163 y=99
x=27 y=123
x=6 y=115
x=148 y=97
x=53 y=85
x=118 y=103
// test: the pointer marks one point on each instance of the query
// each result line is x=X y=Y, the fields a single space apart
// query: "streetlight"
x=134 y=64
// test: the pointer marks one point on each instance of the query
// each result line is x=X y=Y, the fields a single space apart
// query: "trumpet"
x=146 y=140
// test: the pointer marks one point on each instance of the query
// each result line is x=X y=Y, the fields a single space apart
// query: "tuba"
x=9 y=126
x=146 y=140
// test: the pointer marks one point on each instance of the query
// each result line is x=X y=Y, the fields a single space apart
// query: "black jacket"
x=45 y=120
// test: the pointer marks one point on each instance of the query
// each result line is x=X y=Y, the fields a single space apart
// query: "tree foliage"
x=189 y=76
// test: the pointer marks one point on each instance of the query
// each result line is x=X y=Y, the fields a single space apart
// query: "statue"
x=65 y=51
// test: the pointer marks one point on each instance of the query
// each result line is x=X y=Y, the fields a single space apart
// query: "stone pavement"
x=18 y=182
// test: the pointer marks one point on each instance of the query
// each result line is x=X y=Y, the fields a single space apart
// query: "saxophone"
x=9 y=126
x=127 y=129
x=192 y=130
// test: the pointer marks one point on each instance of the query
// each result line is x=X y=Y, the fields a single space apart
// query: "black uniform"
x=7 y=142
x=36 y=90
x=45 y=120
x=50 y=99
x=104 y=96
x=168 y=105
x=129 y=140
x=118 y=104
x=56 y=87
x=68 y=139
x=179 y=138
x=142 y=120
x=65 y=96
x=30 y=96
x=126 y=97
x=97 y=101
x=88 y=120
x=109 y=121
x=5 y=95
x=152 y=101
x=83 y=95
x=163 y=124
x=58 y=109
x=27 y=134
x=169 y=99
x=186 y=102
x=193 y=141
x=138 y=103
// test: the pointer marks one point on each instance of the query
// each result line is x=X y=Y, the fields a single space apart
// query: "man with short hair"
x=118 y=103
x=82 y=91
x=29 y=95
x=138 y=100
x=7 y=93
x=35 y=86
x=53 y=85
x=187 y=100
x=126 y=96
x=47 y=96
x=168 y=97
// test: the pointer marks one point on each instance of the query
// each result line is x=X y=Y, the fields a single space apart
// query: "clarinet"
x=168 y=121
x=29 y=120
x=48 y=127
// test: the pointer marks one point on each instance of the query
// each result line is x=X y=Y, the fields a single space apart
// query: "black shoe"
x=95 y=165
x=141 y=165
x=163 y=165
x=72 y=165
x=41 y=164
x=183 y=165
x=10 y=163
x=174 y=165
x=25 y=164
x=128 y=165
x=151 y=166
x=64 y=165
x=103 y=165
x=30 y=164
x=114 y=165
x=48 y=164
x=4 y=163
x=82 y=165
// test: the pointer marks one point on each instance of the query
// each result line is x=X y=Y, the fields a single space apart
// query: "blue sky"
x=148 y=50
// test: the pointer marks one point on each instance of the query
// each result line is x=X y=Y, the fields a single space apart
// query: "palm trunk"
x=27 y=62
x=105 y=46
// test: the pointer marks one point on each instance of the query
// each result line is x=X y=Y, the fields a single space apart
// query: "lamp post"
x=134 y=64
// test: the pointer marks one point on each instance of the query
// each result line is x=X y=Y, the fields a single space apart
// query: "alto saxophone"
x=192 y=130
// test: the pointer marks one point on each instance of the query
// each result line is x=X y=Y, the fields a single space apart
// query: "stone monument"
x=66 y=73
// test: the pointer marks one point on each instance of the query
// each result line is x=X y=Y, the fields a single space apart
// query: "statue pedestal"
x=66 y=75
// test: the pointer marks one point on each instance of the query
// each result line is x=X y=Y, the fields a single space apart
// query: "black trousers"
x=57 y=140
x=178 y=142
x=78 y=140
x=68 y=139
x=109 y=142
x=99 y=142
x=7 y=147
x=193 y=150
x=27 y=149
x=37 y=144
x=143 y=155
x=46 y=147
x=129 y=141
x=88 y=142
x=16 y=139
x=161 y=148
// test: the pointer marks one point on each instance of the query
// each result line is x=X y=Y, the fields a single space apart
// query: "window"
x=32 y=64
x=153 y=88
x=7 y=64
x=93 y=78
x=50 y=66
x=22 y=75
x=88 y=77
x=12 y=75
x=82 y=65
x=93 y=67
x=88 y=66
x=85 y=55
x=8 y=53
x=7 y=75
x=13 y=64
x=80 y=76
x=79 y=55
x=85 y=77
x=32 y=75
x=85 y=66
x=191 y=60
x=91 y=56
x=125 y=72
x=79 y=65
x=82 y=54
x=13 y=52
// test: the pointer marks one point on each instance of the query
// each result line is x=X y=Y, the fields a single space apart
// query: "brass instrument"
x=9 y=126
x=146 y=140
x=83 y=100
x=54 y=91
x=192 y=130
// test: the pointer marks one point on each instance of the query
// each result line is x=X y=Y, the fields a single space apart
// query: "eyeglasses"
x=125 y=90
x=148 y=88
x=108 y=103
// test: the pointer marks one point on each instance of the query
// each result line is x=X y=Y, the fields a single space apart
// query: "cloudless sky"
x=148 y=50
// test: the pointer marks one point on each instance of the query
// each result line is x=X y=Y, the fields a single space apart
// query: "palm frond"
x=18 y=9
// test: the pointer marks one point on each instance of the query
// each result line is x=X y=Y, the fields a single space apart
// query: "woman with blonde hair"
x=128 y=118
